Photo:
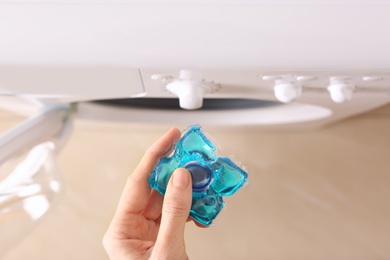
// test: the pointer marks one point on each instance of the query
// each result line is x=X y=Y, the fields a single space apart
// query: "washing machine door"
x=30 y=182
x=29 y=177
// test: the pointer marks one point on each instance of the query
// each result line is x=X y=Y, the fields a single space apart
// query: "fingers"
x=176 y=207
x=154 y=208
x=136 y=193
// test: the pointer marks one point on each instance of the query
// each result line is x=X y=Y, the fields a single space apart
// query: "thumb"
x=176 y=207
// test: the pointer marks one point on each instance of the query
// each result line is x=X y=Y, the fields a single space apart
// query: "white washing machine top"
x=303 y=52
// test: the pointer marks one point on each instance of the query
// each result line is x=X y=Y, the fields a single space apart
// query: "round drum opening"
x=173 y=103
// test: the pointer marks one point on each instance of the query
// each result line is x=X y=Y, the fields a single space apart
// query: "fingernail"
x=180 y=179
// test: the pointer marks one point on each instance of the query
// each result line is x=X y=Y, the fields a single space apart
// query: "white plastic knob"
x=189 y=75
x=341 y=92
x=190 y=93
x=286 y=92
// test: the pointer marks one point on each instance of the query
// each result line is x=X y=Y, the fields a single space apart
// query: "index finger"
x=136 y=193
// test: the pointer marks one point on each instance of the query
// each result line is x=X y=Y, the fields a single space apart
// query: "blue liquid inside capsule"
x=212 y=176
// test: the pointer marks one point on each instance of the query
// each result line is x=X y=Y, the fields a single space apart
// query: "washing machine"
x=285 y=64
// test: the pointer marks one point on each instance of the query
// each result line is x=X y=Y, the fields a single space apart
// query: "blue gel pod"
x=212 y=176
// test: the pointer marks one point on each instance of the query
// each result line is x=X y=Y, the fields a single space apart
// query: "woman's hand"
x=147 y=225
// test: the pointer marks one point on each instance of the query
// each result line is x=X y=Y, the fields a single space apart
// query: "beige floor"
x=311 y=195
